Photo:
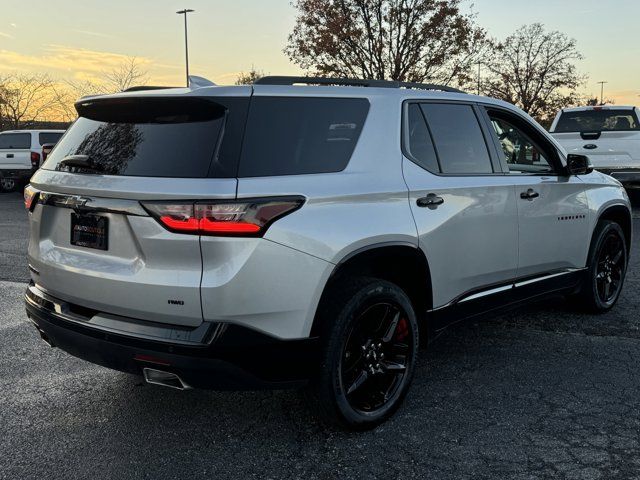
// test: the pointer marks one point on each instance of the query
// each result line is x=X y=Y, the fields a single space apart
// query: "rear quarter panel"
x=362 y=206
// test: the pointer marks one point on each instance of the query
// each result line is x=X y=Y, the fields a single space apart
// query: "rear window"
x=15 y=141
x=49 y=137
x=301 y=135
x=153 y=137
x=597 y=121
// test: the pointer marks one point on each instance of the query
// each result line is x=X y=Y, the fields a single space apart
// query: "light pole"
x=602 y=92
x=479 y=65
x=186 y=41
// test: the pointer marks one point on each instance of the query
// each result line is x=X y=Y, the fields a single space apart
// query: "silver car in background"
x=307 y=232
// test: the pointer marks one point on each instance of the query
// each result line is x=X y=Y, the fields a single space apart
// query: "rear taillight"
x=244 y=218
x=35 y=160
x=30 y=197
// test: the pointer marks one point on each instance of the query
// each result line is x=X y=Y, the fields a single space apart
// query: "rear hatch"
x=609 y=136
x=93 y=241
x=15 y=151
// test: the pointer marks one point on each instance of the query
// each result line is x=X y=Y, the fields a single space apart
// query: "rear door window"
x=301 y=135
x=419 y=141
x=154 y=137
x=605 y=120
x=49 y=137
x=15 y=141
x=458 y=138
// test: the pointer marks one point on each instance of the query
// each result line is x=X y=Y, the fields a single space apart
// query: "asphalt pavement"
x=540 y=393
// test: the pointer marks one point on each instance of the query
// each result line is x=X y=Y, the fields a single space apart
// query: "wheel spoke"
x=617 y=258
x=607 y=286
x=358 y=382
x=393 y=367
x=392 y=328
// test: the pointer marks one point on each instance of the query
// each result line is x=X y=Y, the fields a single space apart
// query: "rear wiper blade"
x=80 y=161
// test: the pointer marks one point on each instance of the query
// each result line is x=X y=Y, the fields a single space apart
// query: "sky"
x=73 y=39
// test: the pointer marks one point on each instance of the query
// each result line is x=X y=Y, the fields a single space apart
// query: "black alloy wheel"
x=369 y=351
x=607 y=267
x=610 y=268
x=376 y=357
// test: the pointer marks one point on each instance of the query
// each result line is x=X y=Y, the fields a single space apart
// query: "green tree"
x=405 y=40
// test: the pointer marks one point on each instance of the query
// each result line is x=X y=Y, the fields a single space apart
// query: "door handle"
x=529 y=194
x=9 y=155
x=431 y=200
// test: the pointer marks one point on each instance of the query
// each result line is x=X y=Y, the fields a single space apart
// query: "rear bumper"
x=229 y=358
x=23 y=175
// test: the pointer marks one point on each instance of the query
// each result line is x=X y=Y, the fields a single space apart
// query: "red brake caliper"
x=402 y=330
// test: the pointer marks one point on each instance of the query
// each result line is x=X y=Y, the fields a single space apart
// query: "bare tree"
x=535 y=69
x=591 y=101
x=128 y=74
x=26 y=98
x=250 y=77
x=406 y=40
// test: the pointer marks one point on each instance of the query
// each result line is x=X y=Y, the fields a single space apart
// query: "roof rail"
x=355 y=82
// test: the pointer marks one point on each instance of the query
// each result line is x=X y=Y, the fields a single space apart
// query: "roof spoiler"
x=194 y=82
x=199 y=82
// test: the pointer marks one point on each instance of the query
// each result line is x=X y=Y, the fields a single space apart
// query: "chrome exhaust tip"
x=164 y=379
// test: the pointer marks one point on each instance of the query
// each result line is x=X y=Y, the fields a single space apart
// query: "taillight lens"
x=35 y=160
x=245 y=218
x=30 y=197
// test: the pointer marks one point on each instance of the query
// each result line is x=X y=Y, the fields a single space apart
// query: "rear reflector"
x=245 y=218
x=149 y=359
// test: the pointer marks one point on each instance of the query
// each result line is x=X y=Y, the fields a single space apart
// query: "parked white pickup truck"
x=609 y=135
x=21 y=154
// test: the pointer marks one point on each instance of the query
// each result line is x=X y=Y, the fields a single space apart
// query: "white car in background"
x=21 y=154
x=610 y=135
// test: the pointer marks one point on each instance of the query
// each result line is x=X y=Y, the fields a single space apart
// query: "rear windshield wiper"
x=84 y=162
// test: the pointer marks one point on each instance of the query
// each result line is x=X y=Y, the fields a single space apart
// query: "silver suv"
x=285 y=234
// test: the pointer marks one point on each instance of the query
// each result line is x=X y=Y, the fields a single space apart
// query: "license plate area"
x=90 y=231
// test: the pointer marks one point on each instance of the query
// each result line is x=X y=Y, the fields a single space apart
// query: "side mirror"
x=578 y=164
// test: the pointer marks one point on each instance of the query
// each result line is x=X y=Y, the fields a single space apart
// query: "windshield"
x=598 y=121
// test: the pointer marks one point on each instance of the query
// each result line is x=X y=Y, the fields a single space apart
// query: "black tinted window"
x=298 y=135
x=166 y=137
x=420 y=145
x=15 y=141
x=521 y=154
x=48 y=137
x=605 y=120
x=458 y=139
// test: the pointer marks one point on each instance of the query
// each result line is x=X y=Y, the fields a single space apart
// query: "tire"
x=607 y=267
x=7 y=184
x=369 y=342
